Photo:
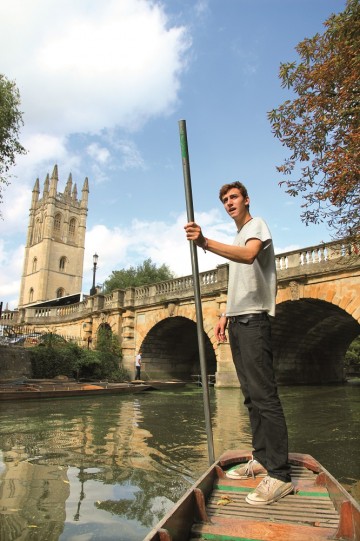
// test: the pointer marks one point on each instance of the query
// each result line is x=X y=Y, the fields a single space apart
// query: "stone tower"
x=54 y=251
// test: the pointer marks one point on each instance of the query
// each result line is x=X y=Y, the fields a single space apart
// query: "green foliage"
x=352 y=357
x=143 y=274
x=321 y=125
x=109 y=368
x=109 y=353
x=55 y=357
x=51 y=340
x=10 y=123
x=107 y=341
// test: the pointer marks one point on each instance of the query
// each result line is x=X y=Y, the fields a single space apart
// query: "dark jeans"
x=250 y=341
x=137 y=372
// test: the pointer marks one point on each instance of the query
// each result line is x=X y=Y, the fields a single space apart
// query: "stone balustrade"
x=315 y=254
x=292 y=262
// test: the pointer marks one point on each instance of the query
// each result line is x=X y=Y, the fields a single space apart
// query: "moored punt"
x=161 y=385
x=48 y=389
x=214 y=508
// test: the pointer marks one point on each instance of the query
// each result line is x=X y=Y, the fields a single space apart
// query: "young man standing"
x=251 y=299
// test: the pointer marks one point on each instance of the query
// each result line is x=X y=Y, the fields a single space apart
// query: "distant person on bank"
x=250 y=302
x=138 y=365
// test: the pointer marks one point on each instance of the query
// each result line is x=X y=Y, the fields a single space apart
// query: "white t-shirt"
x=252 y=288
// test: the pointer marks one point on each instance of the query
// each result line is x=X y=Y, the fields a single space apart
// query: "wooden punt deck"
x=319 y=509
x=309 y=506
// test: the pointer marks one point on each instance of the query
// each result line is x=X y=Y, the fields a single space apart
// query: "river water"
x=108 y=468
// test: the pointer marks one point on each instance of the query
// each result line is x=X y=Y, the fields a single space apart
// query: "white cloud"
x=201 y=7
x=11 y=262
x=82 y=66
x=14 y=209
x=43 y=146
x=98 y=153
x=130 y=155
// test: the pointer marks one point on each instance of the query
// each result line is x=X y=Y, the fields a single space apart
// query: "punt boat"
x=214 y=508
x=35 y=389
x=161 y=385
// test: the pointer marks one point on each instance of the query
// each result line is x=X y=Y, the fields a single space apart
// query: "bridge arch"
x=170 y=350
x=310 y=339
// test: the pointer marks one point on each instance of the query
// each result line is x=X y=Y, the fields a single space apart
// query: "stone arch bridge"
x=318 y=316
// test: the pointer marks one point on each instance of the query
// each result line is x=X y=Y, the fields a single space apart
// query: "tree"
x=352 y=357
x=106 y=340
x=320 y=127
x=10 y=123
x=146 y=273
x=109 y=353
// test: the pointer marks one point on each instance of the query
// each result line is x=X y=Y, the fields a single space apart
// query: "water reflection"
x=325 y=422
x=110 y=468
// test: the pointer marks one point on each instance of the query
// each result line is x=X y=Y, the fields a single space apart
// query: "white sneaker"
x=270 y=490
x=253 y=469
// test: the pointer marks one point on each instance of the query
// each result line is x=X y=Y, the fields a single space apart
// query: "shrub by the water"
x=54 y=357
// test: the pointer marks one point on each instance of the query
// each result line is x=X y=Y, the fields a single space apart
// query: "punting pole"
x=195 y=271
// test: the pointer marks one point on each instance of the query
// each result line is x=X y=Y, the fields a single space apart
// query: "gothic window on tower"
x=62 y=263
x=60 y=292
x=57 y=224
x=31 y=295
x=72 y=228
x=37 y=231
x=34 y=265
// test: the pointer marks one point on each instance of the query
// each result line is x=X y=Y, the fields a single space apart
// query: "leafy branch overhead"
x=10 y=123
x=320 y=126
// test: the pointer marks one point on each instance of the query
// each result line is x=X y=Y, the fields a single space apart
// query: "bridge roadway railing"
x=303 y=261
x=315 y=255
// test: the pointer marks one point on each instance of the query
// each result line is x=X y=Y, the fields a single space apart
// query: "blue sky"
x=103 y=86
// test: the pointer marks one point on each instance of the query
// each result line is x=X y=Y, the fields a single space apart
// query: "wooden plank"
x=309 y=521
x=306 y=517
x=293 y=503
x=297 y=515
x=255 y=531
x=290 y=499
x=284 y=513
x=300 y=495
